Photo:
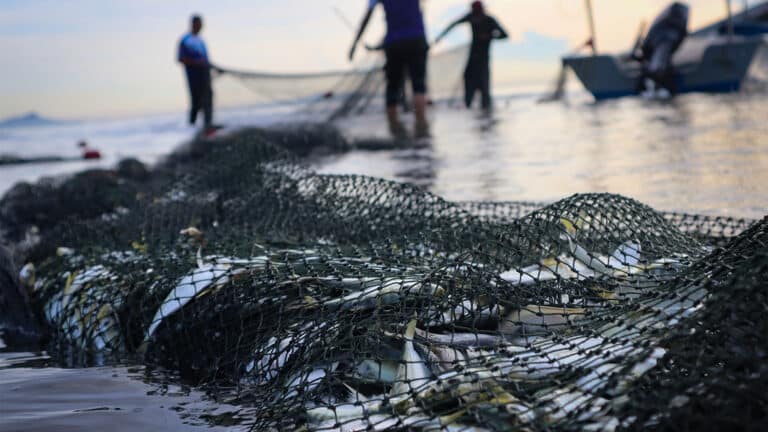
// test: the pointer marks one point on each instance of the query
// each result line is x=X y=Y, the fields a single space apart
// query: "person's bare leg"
x=395 y=127
x=420 y=108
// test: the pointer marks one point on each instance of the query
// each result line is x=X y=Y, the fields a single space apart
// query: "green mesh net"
x=350 y=303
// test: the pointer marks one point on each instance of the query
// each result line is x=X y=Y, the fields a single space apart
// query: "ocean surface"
x=703 y=154
x=698 y=153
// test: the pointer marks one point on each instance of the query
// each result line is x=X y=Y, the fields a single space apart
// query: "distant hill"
x=31 y=119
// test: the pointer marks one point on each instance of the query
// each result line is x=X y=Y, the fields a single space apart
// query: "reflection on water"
x=698 y=153
x=96 y=399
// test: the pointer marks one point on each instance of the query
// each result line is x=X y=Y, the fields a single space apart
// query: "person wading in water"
x=194 y=56
x=405 y=47
x=477 y=75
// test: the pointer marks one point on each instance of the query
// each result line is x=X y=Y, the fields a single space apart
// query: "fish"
x=464 y=340
x=84 y=310
x=365 y=414
x=357 y=407
x=376 y=371
x=412 y=372
x=480 y=312
x=558 y=404
x=473 y=386
x=191 y=286
x=580 y=264
x=385 y=292
x=538 y=319
x=279 y=351
x=27 y=275
x=207 y=277
x=305 y=382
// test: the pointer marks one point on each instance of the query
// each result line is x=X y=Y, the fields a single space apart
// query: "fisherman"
x=194 y=56
x=405 y=46
x=665 y=36
x=477 y=75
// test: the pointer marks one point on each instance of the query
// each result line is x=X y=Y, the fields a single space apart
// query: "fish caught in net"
x=350 y=303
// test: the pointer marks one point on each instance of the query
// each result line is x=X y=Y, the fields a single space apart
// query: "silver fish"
x=412 y=372
x=538 y=319
x=376 y=371
x=385 y=292
x=305 y=382
x=206 y=277
x=461 y=339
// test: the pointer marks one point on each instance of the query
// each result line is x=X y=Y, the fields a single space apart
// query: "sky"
x=96 y=58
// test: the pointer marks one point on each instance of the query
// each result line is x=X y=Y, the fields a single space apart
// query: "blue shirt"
x=404 y=19
x=192 y=47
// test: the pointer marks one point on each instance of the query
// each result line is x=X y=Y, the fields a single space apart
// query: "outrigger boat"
x=717 y=58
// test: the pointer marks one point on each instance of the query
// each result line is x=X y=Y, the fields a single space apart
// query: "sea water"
x=698 y=153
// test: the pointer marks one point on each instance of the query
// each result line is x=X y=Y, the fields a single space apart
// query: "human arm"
x=189 y=61
x=498 y=31
x=361 y=30
x=379 y=47
x=451 y=26
x=189 y=55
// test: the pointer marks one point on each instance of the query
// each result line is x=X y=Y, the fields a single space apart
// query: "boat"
x=717 y=58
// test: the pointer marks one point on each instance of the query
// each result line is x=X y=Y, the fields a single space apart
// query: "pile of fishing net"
x=350 y=303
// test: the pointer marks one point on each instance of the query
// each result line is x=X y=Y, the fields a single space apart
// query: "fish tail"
x=70 y=279
x=200 y=263
x=451 y=418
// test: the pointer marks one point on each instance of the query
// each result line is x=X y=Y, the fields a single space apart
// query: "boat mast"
x=591 y=27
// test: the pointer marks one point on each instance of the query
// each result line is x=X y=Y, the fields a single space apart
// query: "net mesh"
x=331 y=95
x=326 y=302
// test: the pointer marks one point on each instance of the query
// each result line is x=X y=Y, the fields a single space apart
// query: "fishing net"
x=331 y=95
x=327 y=302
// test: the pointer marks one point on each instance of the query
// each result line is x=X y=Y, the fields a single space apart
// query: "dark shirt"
x=193 y=48
x=404 y=19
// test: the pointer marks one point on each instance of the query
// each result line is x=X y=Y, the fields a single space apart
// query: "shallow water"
x=146 y=138
x=37 y=398
x=698 y=153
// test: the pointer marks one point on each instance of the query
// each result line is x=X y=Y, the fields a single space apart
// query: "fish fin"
x=310 y=300
x=359 y=397
x=569 y=226
x=410 y=331
x=550 y=262
x=142 y=349
x=70 y=280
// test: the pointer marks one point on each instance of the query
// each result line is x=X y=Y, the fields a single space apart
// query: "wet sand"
x=98 y=399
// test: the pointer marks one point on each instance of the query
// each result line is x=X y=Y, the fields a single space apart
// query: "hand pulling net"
x=349 y=303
